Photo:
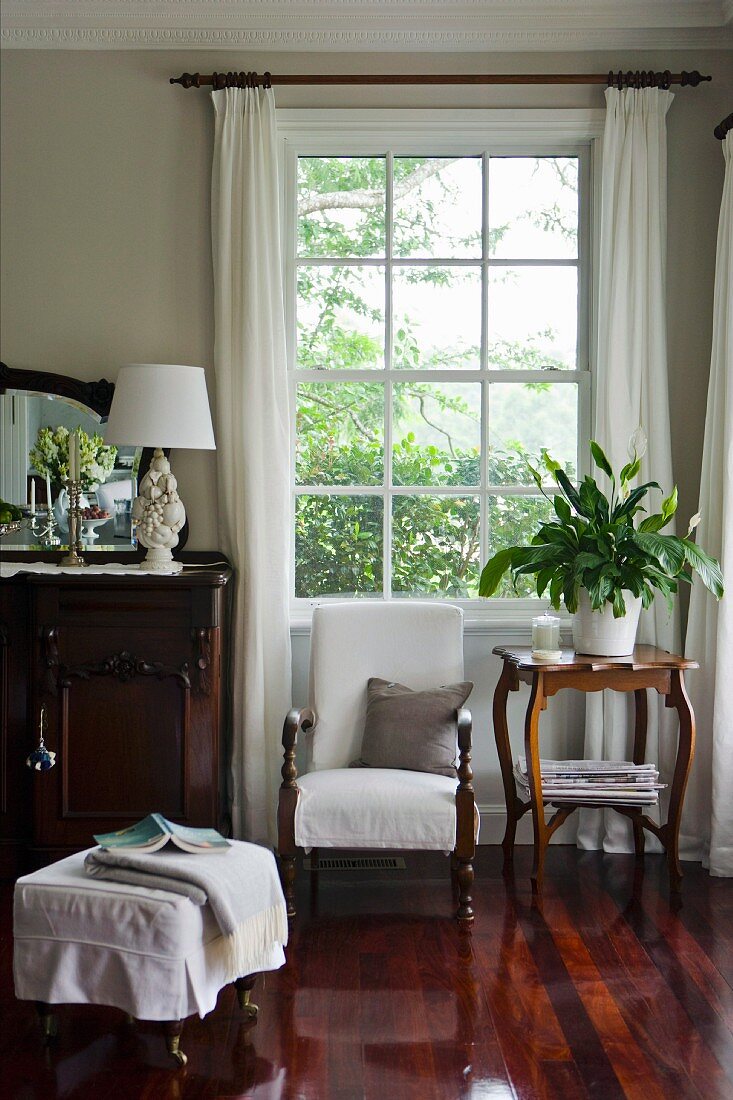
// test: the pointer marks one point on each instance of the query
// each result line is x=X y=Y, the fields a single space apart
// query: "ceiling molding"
x=383 y=25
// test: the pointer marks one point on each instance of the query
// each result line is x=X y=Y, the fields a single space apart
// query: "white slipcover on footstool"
x=151 y=953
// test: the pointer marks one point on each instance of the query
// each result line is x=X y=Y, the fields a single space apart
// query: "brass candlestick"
x=73 y=557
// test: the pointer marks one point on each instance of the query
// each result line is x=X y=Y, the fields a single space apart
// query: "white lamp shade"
x=161 y=405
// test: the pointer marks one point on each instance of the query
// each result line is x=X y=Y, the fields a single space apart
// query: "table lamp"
x=160 y=405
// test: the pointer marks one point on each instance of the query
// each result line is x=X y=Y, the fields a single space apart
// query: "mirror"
x=37 y=411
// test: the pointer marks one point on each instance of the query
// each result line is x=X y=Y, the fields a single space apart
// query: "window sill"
x=512 y=626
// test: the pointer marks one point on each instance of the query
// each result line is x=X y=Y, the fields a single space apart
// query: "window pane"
x=341 y=203
x=533 y=208
x=437 y=207
x=338 y=545
x=524 y=418
x=436 y=318
x=340 y=314
x=435 y=546
x=513 y=521
x=533 y=318
x=436 y=433
x=339 y=433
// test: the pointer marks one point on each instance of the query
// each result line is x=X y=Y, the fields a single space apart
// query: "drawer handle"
x=41 y=759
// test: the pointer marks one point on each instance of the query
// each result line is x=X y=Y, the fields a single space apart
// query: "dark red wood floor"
x=601 y=991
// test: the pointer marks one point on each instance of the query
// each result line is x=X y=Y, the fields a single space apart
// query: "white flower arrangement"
x=50 y=455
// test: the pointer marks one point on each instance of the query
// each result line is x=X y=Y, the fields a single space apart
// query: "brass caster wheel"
x=248 y=1007
x=179 y=1058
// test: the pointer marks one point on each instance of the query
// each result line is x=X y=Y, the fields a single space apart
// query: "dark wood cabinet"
x=129 y=671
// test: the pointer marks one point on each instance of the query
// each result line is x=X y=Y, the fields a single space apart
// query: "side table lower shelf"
x=647 y=667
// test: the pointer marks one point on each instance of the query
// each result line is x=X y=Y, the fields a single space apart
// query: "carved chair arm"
x=464 y=723
x=295 y=720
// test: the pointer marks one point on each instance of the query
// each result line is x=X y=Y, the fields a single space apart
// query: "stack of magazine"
x=594 y=781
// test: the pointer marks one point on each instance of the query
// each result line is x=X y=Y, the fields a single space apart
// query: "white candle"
x=33 y=497
x=73 y=456
x=546 y=638
x=48 y=491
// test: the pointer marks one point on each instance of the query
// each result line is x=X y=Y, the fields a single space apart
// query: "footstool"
x=153 y=954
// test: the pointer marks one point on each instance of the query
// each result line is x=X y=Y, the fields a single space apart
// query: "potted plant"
x=599 y=561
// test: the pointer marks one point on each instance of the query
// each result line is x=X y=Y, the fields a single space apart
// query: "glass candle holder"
x=546 y=638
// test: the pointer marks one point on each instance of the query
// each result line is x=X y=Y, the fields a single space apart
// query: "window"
x=439 y=342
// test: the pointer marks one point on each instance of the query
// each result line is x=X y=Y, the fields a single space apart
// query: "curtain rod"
x=723 y=127
x=638 y=79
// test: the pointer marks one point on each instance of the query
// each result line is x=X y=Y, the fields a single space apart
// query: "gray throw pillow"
x=411 y=730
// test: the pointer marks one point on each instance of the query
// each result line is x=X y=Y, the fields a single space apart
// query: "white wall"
x=106 y=255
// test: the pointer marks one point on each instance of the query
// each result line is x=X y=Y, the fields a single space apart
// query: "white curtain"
x=253 y=441
x=707 y=822
x=632 y=391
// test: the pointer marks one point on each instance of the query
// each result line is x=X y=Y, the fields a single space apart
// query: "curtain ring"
x=267 y=80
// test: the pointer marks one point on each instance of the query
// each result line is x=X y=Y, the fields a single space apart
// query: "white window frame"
x=367 y=132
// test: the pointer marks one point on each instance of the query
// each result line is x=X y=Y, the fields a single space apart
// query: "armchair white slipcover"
x=332 y=806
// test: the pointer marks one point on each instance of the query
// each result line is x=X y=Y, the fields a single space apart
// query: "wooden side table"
x=646 y=667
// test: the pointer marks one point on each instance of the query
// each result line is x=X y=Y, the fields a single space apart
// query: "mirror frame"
x=97 y=396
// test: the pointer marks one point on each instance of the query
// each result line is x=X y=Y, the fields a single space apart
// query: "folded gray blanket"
x=241 y=885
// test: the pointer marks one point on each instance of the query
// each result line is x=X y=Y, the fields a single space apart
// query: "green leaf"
x=665 y=549
x=536 y=476
x=587 y=560
x=629 y=471
x=570 y=492
x=669 y=505
x=551 y=465
x=543 y=579
x=600 y=458
x=653 y=523
x=556 y=587
x=628 y=506
x=619 y=606
x=494 y=570
x=562 y=508
x=707 y=568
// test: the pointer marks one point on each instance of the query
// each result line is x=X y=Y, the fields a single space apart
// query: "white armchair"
x=334 y=806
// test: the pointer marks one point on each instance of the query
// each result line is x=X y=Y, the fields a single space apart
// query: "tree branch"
x=365 y=199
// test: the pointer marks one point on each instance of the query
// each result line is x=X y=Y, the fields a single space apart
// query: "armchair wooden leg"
x=287 y=874
x=465 y=886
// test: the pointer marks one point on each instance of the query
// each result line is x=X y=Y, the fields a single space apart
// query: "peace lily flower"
x=638 y=444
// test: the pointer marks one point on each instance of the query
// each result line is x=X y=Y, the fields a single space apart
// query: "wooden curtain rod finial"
x=724 y=127
x=693 y=79
x=187 y=80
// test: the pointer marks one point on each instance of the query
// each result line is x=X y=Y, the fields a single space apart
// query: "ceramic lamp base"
x=160 y=560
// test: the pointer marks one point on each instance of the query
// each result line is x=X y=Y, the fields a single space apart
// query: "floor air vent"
x=357 y=863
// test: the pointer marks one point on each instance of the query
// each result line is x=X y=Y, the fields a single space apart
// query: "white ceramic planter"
x=598 y=633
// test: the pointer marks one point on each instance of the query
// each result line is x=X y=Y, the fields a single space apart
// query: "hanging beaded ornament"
x=42 y=759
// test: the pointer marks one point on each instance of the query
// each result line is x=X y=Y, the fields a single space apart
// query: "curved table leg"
x=531 y=747
x=507 y=682
x=679 y=699
x=640 y=731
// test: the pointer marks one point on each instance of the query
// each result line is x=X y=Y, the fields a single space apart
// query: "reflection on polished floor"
x=600 y=991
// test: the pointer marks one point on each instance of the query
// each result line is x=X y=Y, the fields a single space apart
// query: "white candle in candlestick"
x=33 y=497
x=48 y=491
x=73 y=451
